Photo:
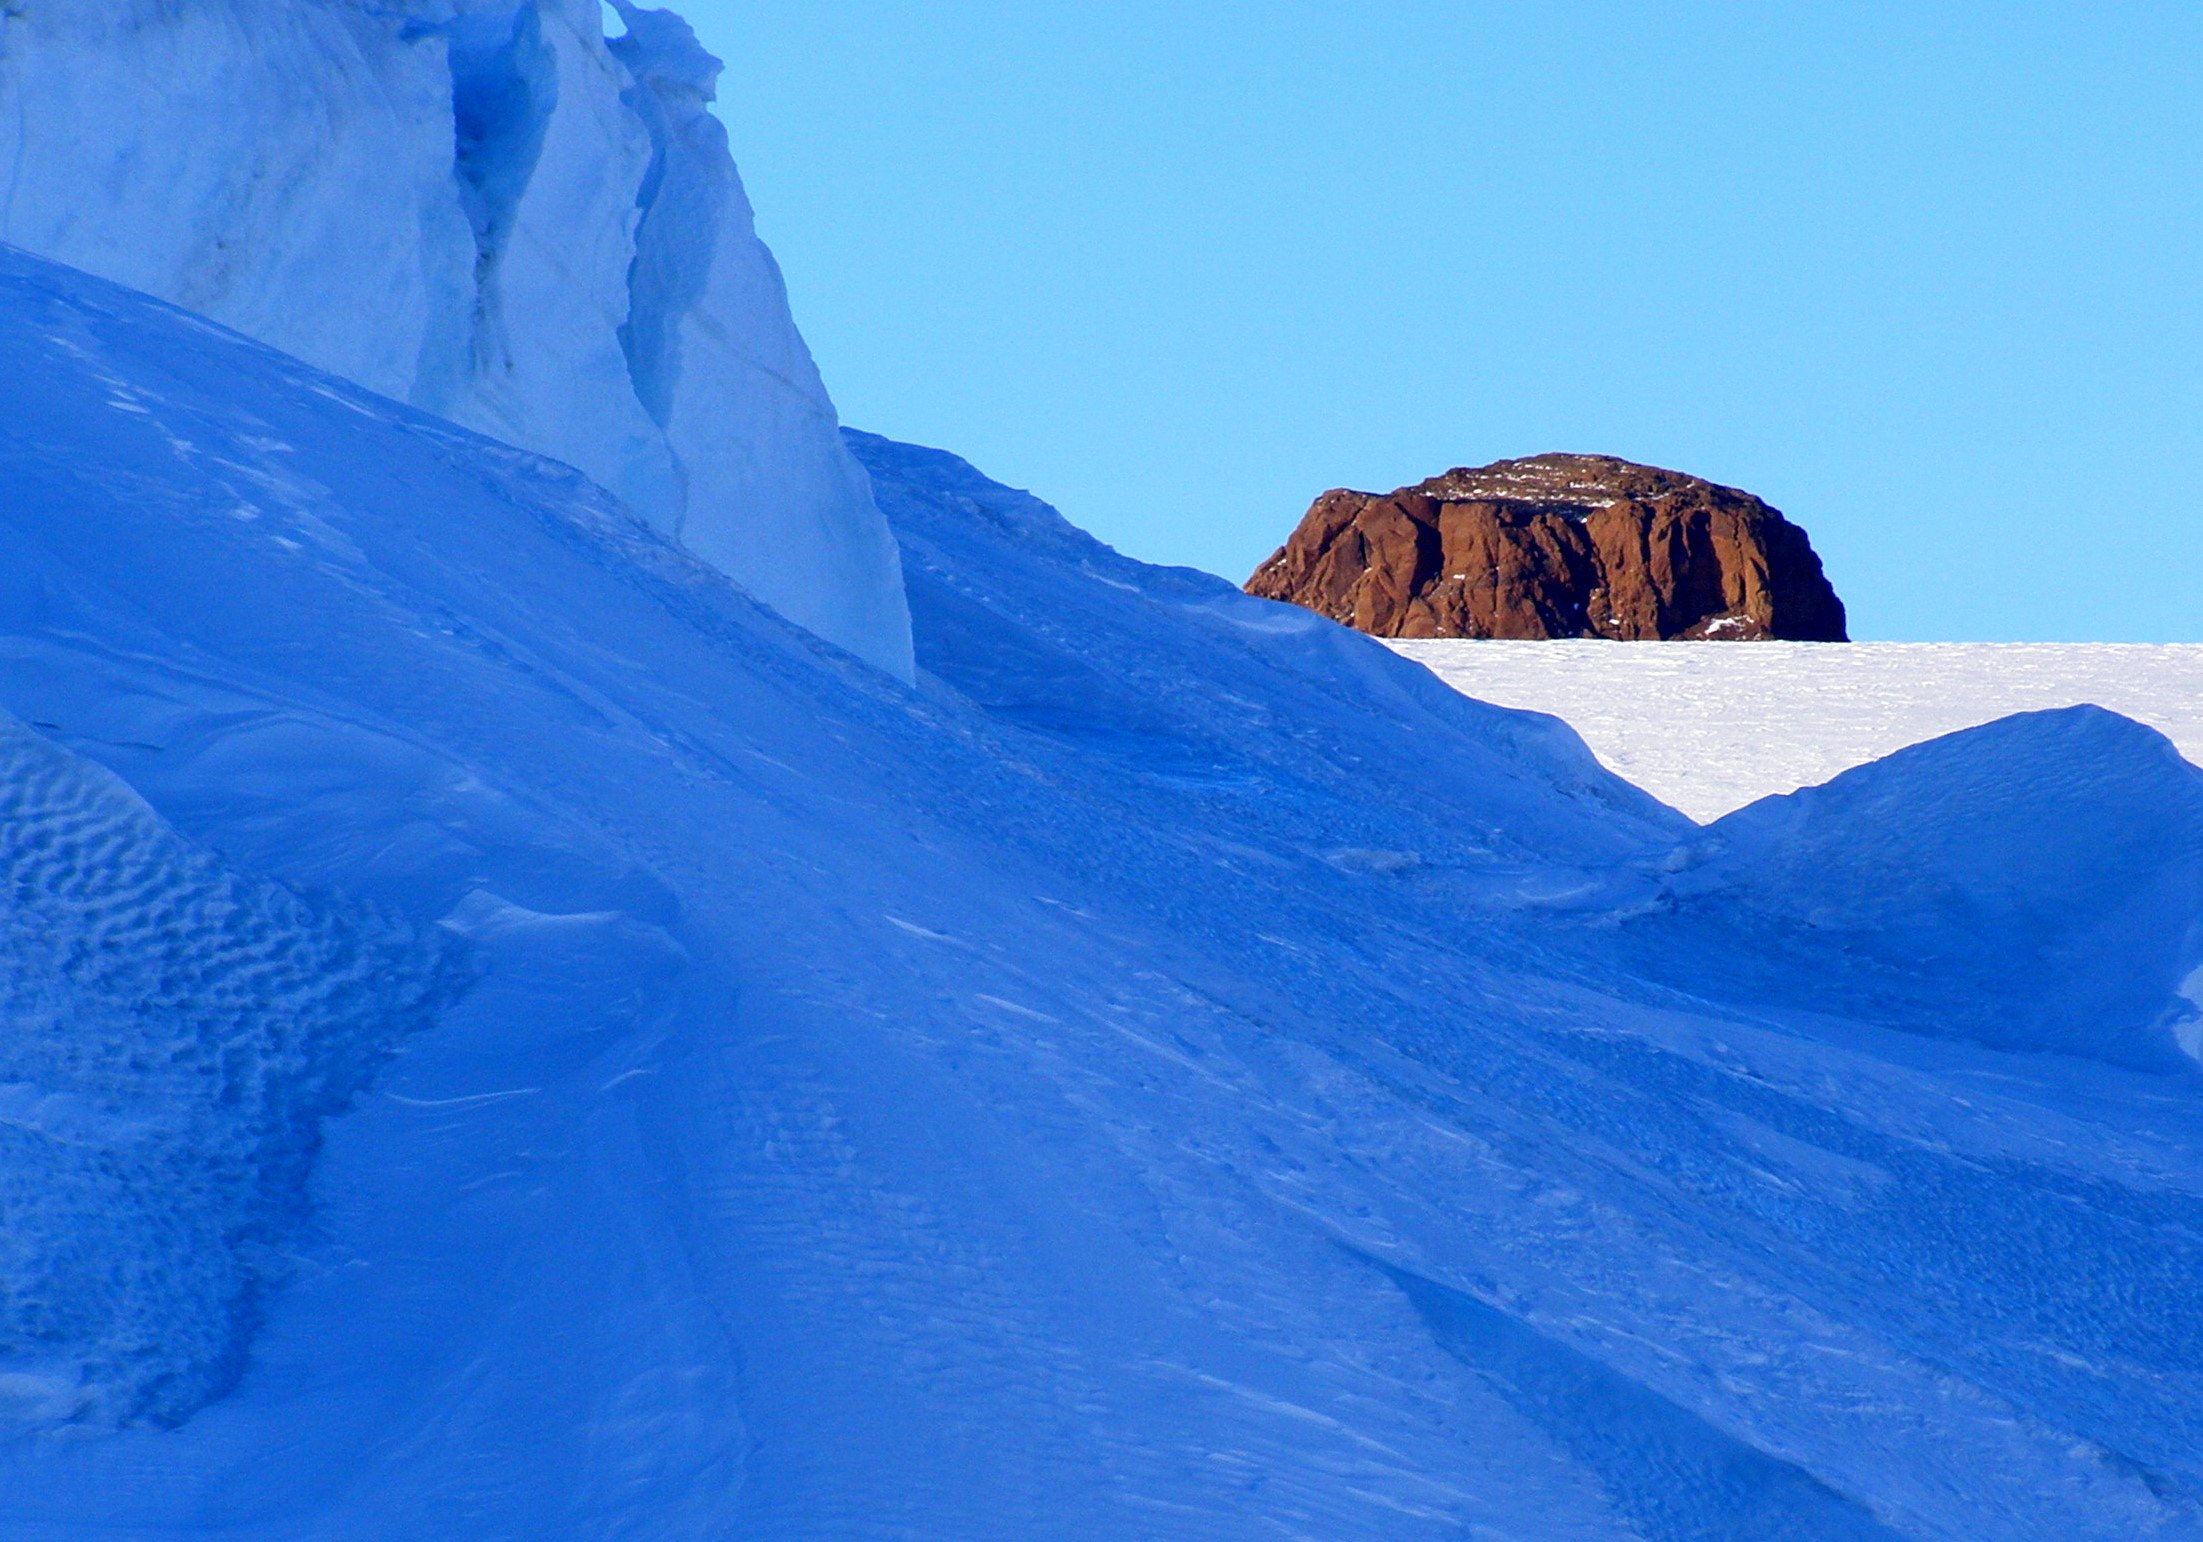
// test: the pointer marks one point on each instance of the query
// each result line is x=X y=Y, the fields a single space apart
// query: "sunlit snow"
x=1709 y=729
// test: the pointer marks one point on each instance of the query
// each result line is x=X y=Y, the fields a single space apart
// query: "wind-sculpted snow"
x=1668 y=1472
x=2033 y=884
x=175 y=1034
x=1178 y=1071
x=478 y=206
x=1151 y=670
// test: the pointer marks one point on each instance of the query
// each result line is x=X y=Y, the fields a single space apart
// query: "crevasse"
x=504 y=88
x=680 y=205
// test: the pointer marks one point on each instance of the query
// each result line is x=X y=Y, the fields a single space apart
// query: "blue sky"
x=1928 y=277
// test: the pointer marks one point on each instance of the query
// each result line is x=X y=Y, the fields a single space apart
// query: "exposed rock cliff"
x=1557 y=546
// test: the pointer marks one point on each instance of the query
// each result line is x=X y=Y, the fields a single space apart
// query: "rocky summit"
x=1557 y=546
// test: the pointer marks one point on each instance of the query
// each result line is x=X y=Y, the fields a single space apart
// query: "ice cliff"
x=484 y=208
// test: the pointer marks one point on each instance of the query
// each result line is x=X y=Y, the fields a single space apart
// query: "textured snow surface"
x=1179 y=1071
x=174 y=1036
x=1708 y=730
x=478 y=206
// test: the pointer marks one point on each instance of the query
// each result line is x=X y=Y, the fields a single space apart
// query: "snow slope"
x=1178 y=1071
x=176 y=1035
x=478 y=206
x=1710 y=729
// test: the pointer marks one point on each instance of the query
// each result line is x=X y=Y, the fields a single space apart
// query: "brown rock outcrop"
x=1557 y=546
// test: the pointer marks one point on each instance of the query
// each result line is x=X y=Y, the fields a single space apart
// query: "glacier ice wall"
x=486 y=209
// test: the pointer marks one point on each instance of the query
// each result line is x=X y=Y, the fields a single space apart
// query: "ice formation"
x=480 y=207
x=1180 y=1070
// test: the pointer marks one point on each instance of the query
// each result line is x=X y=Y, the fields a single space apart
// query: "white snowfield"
x=1710 y=729
x=1179 y=1071
x=480 y=207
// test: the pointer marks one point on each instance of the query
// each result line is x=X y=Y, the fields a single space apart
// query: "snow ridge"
x=2033 y=884
x=1671 y=1474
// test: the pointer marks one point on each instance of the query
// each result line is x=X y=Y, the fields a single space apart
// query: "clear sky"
x=1927 y=276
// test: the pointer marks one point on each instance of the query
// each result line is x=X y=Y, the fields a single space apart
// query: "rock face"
x=1557 y=546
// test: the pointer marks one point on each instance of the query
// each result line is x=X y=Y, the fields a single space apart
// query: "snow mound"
x=176 y=1033
x=480 y=207
x=2033 y=884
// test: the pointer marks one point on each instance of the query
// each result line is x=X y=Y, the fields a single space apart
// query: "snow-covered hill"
x=1708 y=730
x=1179 y=1071
x=482 y=207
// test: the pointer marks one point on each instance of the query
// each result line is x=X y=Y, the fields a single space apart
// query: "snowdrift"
x=1152 y=670
x=2033 y=884
x=481 y=207
x=1178 y=1070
